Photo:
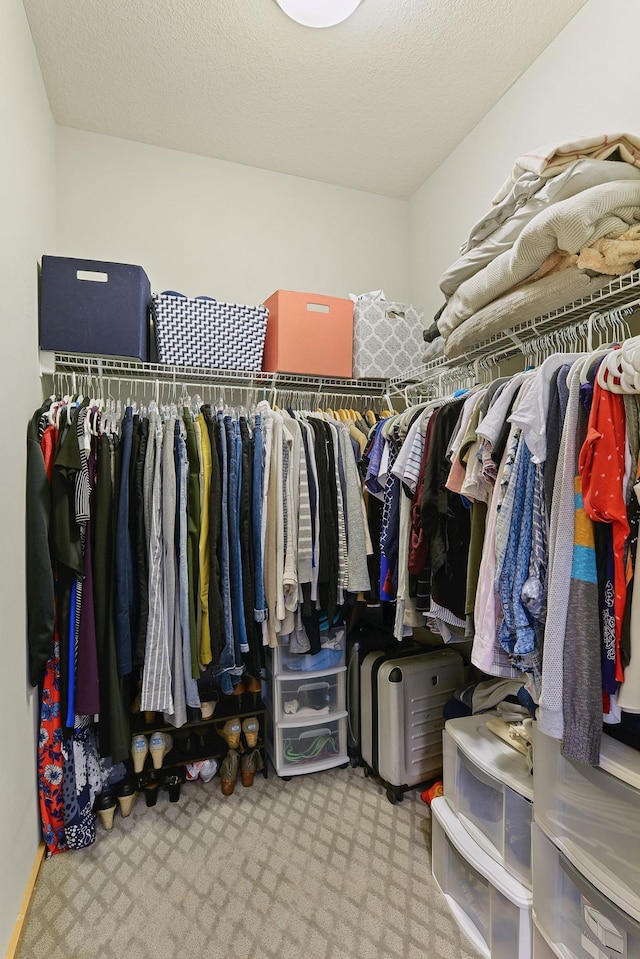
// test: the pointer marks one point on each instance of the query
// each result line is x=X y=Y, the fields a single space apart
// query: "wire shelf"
x=615 y=295
x=120 y=369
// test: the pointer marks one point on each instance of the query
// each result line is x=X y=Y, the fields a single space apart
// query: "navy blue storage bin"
x=87 y=306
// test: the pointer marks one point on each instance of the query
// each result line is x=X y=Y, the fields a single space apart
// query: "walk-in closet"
x=322 y=469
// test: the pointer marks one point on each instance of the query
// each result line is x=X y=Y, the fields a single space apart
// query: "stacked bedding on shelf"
x=566 y=220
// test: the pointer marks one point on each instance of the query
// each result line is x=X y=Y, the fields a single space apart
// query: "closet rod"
x=123 y=369
x=68 y=381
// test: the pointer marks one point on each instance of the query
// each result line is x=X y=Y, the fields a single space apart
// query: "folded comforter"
x=523 y=305
x=609 y=209
x=579 y=176
x=551 y=159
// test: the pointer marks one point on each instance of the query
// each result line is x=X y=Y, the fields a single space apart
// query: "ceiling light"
x=318 y=13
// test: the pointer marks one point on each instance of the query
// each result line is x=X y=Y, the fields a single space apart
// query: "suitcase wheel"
x=394 y=795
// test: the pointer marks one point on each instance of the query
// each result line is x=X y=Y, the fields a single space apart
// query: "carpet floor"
x=320 y=867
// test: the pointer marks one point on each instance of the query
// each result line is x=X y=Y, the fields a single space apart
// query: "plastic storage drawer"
x=281 y=660
x=541 y=948
x=490 y=789
x=573 y=915
x=491 y=907
x=298 y=699
x=89 y=306
x=593 y=813
x=308 y=747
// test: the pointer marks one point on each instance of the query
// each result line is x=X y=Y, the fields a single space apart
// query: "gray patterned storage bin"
x=201 y=331
x=387 y=338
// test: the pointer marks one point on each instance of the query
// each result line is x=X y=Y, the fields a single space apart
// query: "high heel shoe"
x=159 y=745
x=254 y=687
x=139 y=750
x=207 y=708
x=229 y=773
x=127 y=792
x=251 y=728
x=149 y=785
x=250 y=765
x=105 y=806
x=238 y=691
x=173 y=780
x=230 y=732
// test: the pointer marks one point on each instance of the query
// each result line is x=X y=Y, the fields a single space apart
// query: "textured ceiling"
x=375 y=103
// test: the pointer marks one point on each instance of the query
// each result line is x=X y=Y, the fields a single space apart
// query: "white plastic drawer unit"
x=577 y=919
x=490 y=789
x=541 y=948
x=302 y=698
x=332 y=654
x=310 y=746
x=491 y=907
x=593 y=813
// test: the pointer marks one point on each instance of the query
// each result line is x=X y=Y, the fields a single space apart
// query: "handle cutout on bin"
x=395 y=314
x=317 y=308
x=92 y=276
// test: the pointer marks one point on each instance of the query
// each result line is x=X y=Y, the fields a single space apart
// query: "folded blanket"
x=552 y=159
x=522 y=190
x=613 y=255
x=605 y=210
x=434 y=350
x=579 y=175
x=523 y=305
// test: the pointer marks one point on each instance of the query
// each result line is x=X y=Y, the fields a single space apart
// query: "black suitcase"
x=363 y=639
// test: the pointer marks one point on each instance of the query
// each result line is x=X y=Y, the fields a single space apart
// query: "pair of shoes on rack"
x=158 y=745
x=205 y=770
x=249 y=764
x=231 y=730
x=123 y=794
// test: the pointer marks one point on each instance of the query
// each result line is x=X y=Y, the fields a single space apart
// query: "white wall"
x=203 y=226
x=27 y=201
x=585 y=82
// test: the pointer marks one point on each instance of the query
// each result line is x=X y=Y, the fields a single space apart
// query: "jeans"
x=235 y=567
x=227 y=658
x=256 y=494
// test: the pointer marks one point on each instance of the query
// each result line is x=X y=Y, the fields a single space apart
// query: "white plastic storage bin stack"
x=586 y=853
x=481 y=846
x=306 y=700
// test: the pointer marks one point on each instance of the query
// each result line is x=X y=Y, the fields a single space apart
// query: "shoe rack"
x=201 y=739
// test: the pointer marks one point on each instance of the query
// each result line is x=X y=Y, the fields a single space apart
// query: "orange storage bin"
x=308 y=333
